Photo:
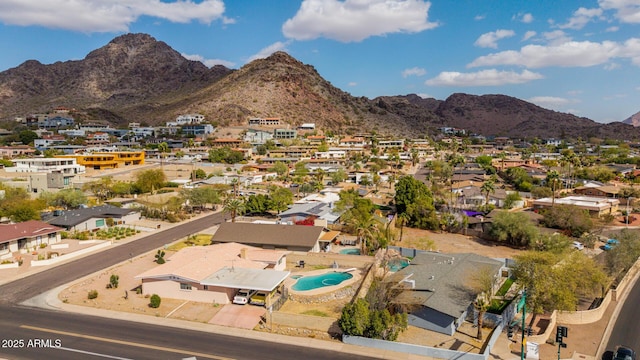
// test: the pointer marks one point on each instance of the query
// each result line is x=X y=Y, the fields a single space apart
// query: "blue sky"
x=581 y=57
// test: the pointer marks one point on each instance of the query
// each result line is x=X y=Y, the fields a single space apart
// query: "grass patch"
x=505 y=287
x=315 y=313
x=193 y=240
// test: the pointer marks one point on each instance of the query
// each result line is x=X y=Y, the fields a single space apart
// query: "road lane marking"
x=92 y=353
x=128 y=343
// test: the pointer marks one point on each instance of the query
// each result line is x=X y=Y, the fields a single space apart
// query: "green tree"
x=27 y=136
x=66 y=198
x=281 y=198
x=114 y=281
x=338 y=176
x=102 y=188
x=150 y=180
x=163 y=149
x=257 y=204
x=487 y=188
x=201 y=196
x=234 y=207
x=513 y=228
x=280 y=168
x=574 y=220
x=355 y=316
x=553 y=181
x=511 y=199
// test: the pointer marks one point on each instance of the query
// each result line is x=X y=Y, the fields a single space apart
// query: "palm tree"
x=488 y=187
x=163 y=148
x=553 y=179
x=365 y=227
x=481 y=303
x=234 y=207
x=403 y=219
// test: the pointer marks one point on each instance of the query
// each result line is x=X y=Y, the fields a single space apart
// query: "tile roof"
x=27 y=229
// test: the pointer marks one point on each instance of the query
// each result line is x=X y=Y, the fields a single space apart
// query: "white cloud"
x=574 y=92
x=582 y=17
x=415 y=71
x=352 y=83
x=612 y=29
x=267 y=51
x=105 y=15
x=490 y=39
x=479 y=17
x=556 y=37
x=426 y=96
x=550 y=102
x=527 y=18
x=627 y=11
x=611 y=66
x=209 y=62
x=569 y=54
x=356 y=20
x=491 y=77
x=528 y=35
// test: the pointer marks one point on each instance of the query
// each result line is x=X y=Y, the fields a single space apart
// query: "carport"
x=252 y=279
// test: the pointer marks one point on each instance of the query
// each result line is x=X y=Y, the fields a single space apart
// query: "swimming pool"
x=397 y=264
x=318 y=281
x=350 y=251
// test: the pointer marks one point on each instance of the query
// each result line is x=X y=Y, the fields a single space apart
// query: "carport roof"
x=241 y=278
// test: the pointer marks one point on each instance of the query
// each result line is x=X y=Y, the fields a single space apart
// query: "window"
x=184 y=286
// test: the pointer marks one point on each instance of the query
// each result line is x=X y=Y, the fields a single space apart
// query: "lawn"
x=193 y=240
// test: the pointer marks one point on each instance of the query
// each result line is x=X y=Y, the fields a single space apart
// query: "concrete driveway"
x=239 y=316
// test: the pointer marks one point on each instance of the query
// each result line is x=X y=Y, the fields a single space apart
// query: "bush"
x=155 y=300
x=113 y=281
x=92 y=294
x=43 y=245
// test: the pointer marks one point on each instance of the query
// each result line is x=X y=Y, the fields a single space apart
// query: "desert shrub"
x=155 y=300
x=114 y=280
x=92 y=294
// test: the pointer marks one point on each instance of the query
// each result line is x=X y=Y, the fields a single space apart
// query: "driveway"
x=239 y=316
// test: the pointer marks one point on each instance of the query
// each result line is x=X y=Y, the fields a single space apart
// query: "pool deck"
x=357 y=276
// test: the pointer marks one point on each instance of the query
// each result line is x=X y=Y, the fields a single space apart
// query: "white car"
x=578 y=245
x=243 y=296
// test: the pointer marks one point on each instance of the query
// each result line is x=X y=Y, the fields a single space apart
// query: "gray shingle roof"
x=75 y=217
x=444 y=282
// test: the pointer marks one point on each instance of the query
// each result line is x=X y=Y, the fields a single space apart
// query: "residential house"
x=10 y=152
x=596 y=206
x=439 y=288
x=271 y=236
x=26 y=235
x=91 y=219
x=281 y=134
x=109 y=160
x=214 y=273
x=609 y=191
x=264 y=122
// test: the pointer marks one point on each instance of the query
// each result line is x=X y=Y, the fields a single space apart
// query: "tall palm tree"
x=234 y=207
x=553 y=179
x=163 y=148
x=487 y=188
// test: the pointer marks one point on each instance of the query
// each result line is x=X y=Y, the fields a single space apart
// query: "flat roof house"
x=215 y=273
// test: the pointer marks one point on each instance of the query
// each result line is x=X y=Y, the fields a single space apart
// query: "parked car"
x=259 y=298
x=243 y=296
x=578 y=245
x=624 y=353
x=610 y=244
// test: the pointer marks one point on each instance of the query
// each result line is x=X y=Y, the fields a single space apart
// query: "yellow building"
x=109 y=160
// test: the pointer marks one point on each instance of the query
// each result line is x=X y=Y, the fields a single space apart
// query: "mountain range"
x=137 y=78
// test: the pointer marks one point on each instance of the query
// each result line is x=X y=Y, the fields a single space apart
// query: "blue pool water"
x=352 y=251
x=398 y=264
x=314 y=282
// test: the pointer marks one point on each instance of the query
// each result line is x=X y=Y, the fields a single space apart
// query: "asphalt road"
x=626 y=330
x=35 y=333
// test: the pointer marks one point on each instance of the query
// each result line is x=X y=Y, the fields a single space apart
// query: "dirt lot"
x=454 y=243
